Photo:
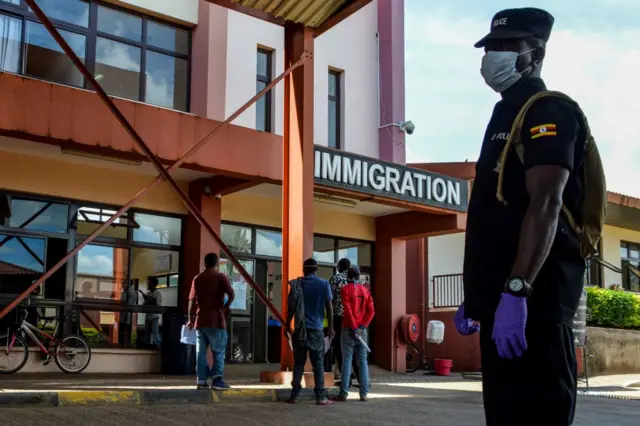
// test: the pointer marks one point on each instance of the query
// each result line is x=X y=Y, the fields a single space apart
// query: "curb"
x=150 y=397
x=608 y=395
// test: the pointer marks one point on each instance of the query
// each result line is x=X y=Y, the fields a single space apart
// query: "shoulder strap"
x=514 y=135
x=514 y=139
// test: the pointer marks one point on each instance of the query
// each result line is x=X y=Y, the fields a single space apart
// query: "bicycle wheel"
x=75 y=351
x=414 y=358
x=18 y=352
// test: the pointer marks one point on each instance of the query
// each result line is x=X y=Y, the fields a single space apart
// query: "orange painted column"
x=297 y=181
x=197 y=241
x=119 y=275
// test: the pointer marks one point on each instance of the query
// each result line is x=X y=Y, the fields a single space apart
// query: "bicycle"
x=70 y=347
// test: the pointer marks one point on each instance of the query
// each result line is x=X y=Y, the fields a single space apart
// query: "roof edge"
x=467 y=170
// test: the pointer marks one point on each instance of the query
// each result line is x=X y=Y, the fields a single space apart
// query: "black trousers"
x=537 y=389
x=336 y=347
x=314 y=346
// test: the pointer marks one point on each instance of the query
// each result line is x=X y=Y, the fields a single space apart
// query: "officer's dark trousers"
x=537 y=389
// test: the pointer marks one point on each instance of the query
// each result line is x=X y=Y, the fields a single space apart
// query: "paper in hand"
x=327 y=344
x=359 y=337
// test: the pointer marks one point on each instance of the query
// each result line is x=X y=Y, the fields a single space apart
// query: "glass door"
x=240 y=325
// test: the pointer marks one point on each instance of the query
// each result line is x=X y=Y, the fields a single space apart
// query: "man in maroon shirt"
x=208 y=311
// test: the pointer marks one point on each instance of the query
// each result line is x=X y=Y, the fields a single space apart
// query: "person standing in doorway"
x=337 y=282
x=152 y=320
x=358 y=314
x=208 y=312
x=309 y=298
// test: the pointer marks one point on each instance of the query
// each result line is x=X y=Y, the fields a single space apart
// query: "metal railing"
x=448 y=291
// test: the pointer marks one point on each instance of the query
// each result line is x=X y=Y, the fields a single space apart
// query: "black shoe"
x=200 y=387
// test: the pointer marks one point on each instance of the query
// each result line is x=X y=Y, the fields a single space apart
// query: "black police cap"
x=519 y=23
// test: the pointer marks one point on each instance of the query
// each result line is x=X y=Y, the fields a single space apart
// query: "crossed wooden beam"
x=164 y=173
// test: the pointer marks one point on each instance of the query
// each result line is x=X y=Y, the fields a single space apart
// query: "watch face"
x=516 y=284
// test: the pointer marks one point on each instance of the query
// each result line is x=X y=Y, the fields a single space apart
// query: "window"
x=358 y=253
x=102 y=273
x=45 y=59
x=10 y=36
x=263 y=78
x=162 y=264
x=90 y=218
x=39 y=216
x=268 y=243
x=131 y=55
x=334 y=110
x=157 y=229
x=630 y=256
x=22 y=261
x=237 y=238
x=324 y=249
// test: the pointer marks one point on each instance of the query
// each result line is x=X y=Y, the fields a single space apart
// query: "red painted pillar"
x=197 y=241
x=297 y=182
x=391 y=141
x=390 y=300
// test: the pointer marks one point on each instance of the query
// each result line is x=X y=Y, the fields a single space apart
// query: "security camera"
x=407 y=126
x=217 y=196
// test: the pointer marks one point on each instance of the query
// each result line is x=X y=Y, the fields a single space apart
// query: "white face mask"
x=499 y=69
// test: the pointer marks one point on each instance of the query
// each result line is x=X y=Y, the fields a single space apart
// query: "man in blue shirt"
x=308 y=335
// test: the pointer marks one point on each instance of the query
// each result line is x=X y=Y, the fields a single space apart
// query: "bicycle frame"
x=29 y=330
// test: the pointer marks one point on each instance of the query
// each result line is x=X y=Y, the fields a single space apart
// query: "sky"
x=593 y=55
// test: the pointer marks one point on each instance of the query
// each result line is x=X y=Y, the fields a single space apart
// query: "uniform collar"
x=518 y=94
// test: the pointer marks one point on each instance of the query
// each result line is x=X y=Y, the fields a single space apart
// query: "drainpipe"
x=378 y=74
x=423 y=293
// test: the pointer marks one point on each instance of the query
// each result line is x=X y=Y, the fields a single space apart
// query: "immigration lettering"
x=350 y=171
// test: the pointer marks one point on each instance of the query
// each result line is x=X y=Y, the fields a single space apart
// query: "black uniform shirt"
x=553 y=134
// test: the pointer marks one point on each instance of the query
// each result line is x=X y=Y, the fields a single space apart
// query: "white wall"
x=351 y=47
x=245 y=34
x=185 y=11
x=611 y=238
x=446 y=256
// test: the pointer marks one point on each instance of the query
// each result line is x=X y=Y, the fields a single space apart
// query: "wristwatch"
x=518 y=286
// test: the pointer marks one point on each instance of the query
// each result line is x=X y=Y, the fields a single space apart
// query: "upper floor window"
x=334 y=109
x=131 y=55
x=263 y=78
x=630 y=256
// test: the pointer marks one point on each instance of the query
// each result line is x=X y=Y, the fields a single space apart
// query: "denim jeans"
x=216 y=338
x=350 y=345
x=152 y=331
x=314 y=344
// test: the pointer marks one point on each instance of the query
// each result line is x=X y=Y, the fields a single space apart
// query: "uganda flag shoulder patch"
x=543 y=130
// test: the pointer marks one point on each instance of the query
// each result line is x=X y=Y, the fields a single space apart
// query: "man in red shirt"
x=358 y=314
x=207 y=313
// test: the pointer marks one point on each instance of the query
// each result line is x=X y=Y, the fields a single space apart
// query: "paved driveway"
x=389 y=405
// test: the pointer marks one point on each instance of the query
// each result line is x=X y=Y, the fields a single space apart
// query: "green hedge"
x=613 y=308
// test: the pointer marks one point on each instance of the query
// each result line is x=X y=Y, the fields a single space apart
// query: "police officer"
x=523 y=270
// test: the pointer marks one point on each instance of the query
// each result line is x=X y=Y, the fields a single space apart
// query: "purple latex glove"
x=465 y=326
x=509 y=326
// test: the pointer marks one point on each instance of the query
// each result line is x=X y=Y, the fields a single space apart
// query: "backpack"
x=594 y=204
x=295 y=304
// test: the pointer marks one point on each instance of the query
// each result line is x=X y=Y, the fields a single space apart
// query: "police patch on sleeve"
x=543 y=130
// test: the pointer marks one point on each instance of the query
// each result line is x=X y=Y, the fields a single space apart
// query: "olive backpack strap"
x=594 y=206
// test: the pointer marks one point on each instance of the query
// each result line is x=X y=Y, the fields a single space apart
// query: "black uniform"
x=540 y=387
